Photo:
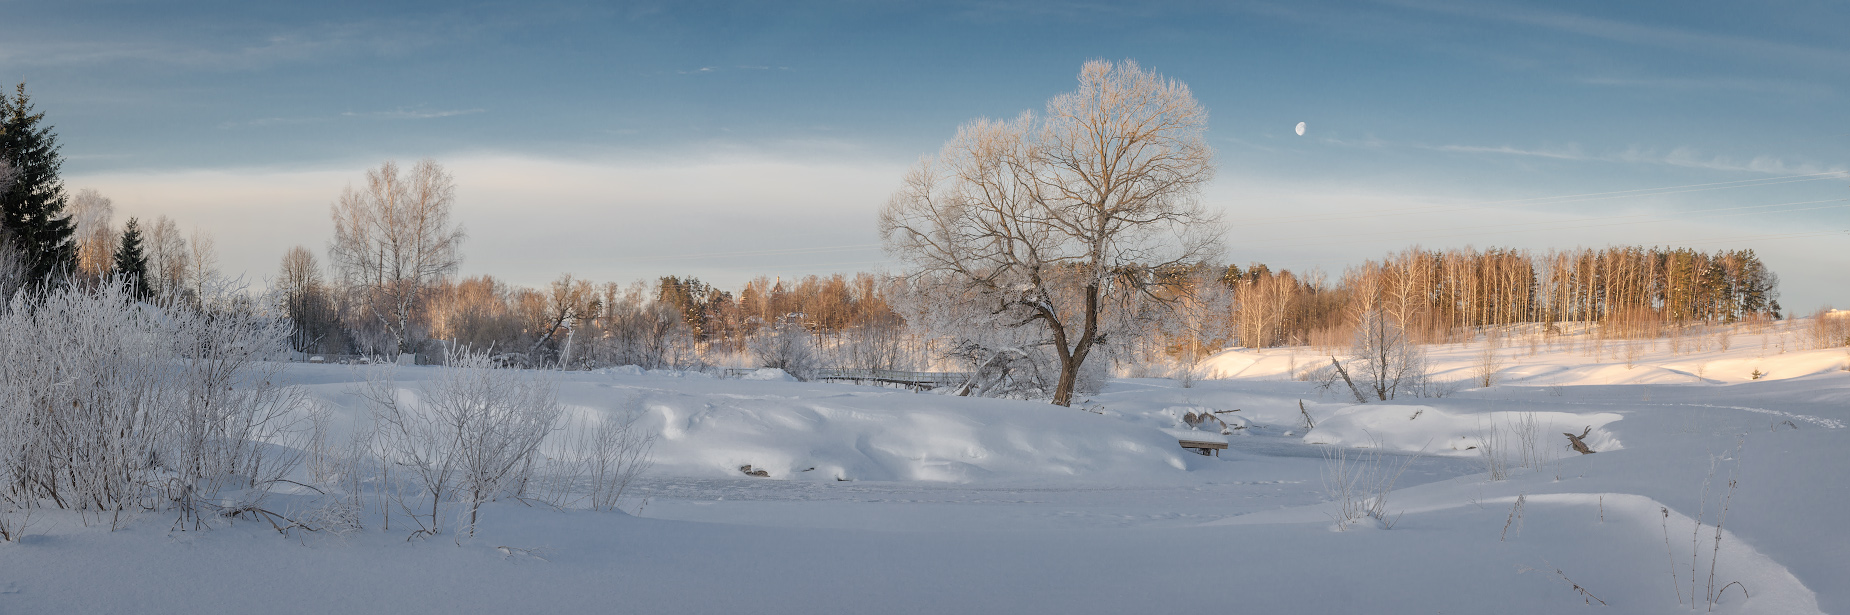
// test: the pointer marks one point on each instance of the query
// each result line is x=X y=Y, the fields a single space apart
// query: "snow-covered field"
x=885 y=501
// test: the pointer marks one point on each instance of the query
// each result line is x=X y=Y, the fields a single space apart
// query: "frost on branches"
x=111 y=406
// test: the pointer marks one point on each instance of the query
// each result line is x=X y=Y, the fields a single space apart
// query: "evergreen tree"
x=32 y=209
x=131 y=262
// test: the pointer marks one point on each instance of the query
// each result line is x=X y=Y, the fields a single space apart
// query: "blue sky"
x=626 y=140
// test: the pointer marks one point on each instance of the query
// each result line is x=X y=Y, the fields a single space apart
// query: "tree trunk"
x=1359 y=398
x=1069 y=376
x=1071 y=361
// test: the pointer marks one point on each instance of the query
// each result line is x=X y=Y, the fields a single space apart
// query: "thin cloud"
x=706 y=70
x=1368 y=143
x=1690 y=158
x=1680 y=157
x=270 y=121
x=411 y=114
x=393 y=114
x=68 y=49
x=1571 y=153
x=1636 y=34
x=1711 y=83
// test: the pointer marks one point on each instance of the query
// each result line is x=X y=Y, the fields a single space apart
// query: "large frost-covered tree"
x=1049 y=219
x=32 y=207
x=392 y=238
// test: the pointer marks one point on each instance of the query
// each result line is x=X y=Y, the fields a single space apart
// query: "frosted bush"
x=787 y=347
x=110 y=405
x=469 y=435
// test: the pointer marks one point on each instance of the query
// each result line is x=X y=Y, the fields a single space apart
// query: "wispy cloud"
x=392 y=114
x=1679 y=157
x=270 y=121
x=1691 y=158
x=1666 y=37
x=65 y=49
x=1713 y=83
x=1572 y=152
x=1370 y=142
x=410 y=114
x=706 y=70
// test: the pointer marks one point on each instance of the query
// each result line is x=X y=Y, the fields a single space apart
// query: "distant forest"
x=861 y=320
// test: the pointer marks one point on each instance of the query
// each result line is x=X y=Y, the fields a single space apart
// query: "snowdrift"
x=872 y=435
x=710 y=428
x=1440 y=431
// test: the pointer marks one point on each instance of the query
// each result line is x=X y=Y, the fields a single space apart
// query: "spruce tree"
x=132 y=262
x=32 y=209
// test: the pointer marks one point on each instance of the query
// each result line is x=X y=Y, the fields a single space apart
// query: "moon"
x=1300 y=129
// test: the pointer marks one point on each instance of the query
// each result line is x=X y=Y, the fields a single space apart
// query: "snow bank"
x=871 y=435
x=1256 y=363
x=1577 y=360
x=1441 y=431
x=709 y=428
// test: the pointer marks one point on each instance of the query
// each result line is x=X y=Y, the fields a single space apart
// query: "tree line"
x=1441 y=295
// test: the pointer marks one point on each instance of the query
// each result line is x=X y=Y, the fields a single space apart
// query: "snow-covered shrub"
x=1519 y=441
x=469 y=435
x=1385 y=360
x=110 y=405
x=787 y=347
x=1359 y=481
x=1829 y=328
x=593 y=460
x=1486 y=372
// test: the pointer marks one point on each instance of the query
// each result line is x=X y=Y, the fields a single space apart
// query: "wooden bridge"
x=917 y=381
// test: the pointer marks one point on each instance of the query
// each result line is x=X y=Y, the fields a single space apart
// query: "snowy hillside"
x=885 y=500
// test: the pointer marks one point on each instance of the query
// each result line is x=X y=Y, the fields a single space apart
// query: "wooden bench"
x=1204 y=448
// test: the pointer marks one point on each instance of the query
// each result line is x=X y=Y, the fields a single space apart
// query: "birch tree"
x=92 y=214
x=1050 y=219
x=167 y=257
x=392 y=238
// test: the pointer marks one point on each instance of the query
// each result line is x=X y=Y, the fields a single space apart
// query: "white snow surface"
x=884 y=500
x=1428 y=430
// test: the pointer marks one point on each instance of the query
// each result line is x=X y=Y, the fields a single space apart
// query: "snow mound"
x=821 y=433
x=1583 y=374
x=1444 y=432
x=1251 y=363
